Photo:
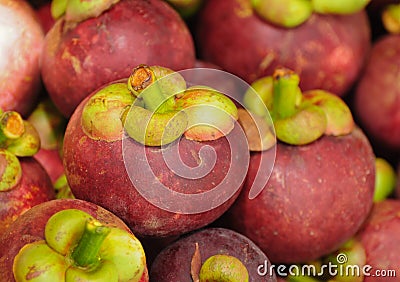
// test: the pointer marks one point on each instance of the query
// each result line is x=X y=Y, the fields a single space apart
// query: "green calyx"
x=284 y=13
x=223 y=268
x=299 y=118
x=186 y=8
x=10 y=170
x=154 y=107
x=169 y=109
x=50 y=124
x=79 y=10
x=77 y=247
x=391 y=18
x=339 y=118
x=217 y=268
x=385 y=179
x=18 y=138
x=349 y=255
x=155 y=129
x=62 y=188
x=11 y=125
x=102 y=114
x=339 y=7
x=211 y=114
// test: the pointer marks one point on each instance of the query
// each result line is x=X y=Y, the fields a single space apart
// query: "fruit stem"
x=86 y=252
x=11 y=126
x=286 y=93
x=142 y=78
x=27 y=144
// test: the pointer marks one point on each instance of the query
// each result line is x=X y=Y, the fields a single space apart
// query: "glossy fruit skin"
x=21 y=45
x=173 y=263
x=327 y=52
x=317 y=197
x=378 y=239
x=23 y=231
x=96 y=172
x=378 y=94
x=35 y=187
x=96 y=51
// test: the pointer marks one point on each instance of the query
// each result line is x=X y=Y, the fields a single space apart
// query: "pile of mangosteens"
x=199 y=140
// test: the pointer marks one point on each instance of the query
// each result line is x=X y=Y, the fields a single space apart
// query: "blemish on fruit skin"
x=244 y=10
x=82 y=140
x=33 y=273
x=152 y=223
x=195 y=156
x=267 y=61
x=75 y=62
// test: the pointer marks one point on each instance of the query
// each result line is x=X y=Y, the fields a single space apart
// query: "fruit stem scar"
x=143 y=77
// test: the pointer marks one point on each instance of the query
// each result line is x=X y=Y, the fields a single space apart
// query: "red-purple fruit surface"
x=317 y=197
x=105 y=166
x=378 y=237
x=77 y=60
x=21 y=43
x=174 y=263
x=33 y=188
x=377 y=96
x=30 y=228
x=327 y=51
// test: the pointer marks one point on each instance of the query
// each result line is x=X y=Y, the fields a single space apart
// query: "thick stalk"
x=286 y=94
x=11 y=126
x=86 y=252
x=143 y=83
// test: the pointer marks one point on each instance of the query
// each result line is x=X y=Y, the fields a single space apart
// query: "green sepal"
x=339 y=7
x=154 y=129
x=37 y=262
x=28 y=144
x=211 y=114
x=102 y=113
x=79 y=10
x=11 y=172
x=304 y=127
x=258 y=98
x=385 y=179
x=68 y=223
x=105 y=272
x=284 y=13
x=339 y=117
